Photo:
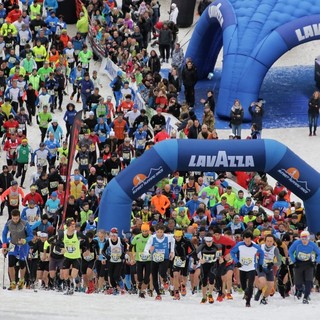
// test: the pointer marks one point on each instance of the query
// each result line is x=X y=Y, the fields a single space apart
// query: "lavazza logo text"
x=307 y=32
x=222 y=159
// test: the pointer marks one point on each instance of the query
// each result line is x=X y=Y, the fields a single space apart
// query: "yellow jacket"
x=83 y=23
x=8 y=27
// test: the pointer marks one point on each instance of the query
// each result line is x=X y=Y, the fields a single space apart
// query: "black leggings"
x=247 y=280
x=208 y=271
x=114 y=273
x=21 y=171
x=43 y=133
x=159 y=268
x=143 y=272
x=303 y=275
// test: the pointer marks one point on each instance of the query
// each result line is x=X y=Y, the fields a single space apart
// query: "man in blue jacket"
x=16 y=246
x=304 y=253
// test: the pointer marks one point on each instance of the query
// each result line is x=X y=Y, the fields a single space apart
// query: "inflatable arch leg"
x=194 y=155
x=255 y=34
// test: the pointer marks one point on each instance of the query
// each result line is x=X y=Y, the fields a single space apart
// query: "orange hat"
x=195 y=225
x=145 y=227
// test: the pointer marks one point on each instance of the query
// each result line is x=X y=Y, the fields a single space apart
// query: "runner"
x=142 y=260
x=183 y=250
x=161 y=247
x=72 y=255
x=303 y=253
x=17 y=247
x=244 y=255
x=114 y=250
x=209 y=254
x=272 y=259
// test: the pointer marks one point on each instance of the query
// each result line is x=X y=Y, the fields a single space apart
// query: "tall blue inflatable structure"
x=254 y=34
x=209 y=155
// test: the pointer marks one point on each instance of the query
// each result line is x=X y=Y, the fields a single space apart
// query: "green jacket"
x=83 y=23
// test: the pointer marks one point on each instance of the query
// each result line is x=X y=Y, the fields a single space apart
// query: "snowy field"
x=27 y=304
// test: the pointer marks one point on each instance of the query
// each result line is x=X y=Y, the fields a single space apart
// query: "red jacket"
x=35 y=197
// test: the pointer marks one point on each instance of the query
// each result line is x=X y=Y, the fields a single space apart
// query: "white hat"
x=305 y=233
x=255 y=208
x=54 y=120
x=91 y=113
x=43 y=235
x=173 y=5
x=112 y=133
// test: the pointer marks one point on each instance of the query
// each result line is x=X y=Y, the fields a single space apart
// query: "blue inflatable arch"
x=194 y=155
x=254 y=34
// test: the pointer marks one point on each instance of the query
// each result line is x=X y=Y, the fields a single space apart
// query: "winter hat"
x=305 y=234
x=145 y=227
x=113 y=231
x=178 y=233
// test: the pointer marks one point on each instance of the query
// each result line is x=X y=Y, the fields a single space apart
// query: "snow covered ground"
x=26 y=304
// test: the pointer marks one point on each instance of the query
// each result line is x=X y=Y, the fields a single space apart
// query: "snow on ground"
x=27 y=305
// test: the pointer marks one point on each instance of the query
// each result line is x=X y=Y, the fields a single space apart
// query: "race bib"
x=13 y=202
x=144 y=256
x=70 y=249
x=126 y=156
x=304 y=256
x=114 y=172
x=54 y=184
x=89 y=257
x=158 y=257
x=44 y=191
x=84 y=162
x=209 y=258
x=53 y=151
x=246 y=261
x=178 y=262
x=42 y=162
x=115 y=257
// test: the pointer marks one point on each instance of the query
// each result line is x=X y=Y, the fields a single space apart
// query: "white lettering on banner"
x=307 y=32
x=140 y=180
x=293 y=177
x=221 y=160
x=215 y=12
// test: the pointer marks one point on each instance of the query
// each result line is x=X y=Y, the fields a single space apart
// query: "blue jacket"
x=52 y=22
x=300 y=252
x=73 y=75
x=85 y=85
x=77 y=43
x=51 y=5
x=58 y=132
x=69 y=116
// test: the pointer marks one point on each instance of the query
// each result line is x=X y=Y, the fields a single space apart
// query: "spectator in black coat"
x=189 y=80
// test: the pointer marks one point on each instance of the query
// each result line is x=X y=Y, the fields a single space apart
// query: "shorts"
x=11 y=162
x=43 y=266
x=85 y=265
x=227 y=268
x=13 y=260
x=54 y=264
x=75 y=263
x=266 y=273
x=182 y=269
